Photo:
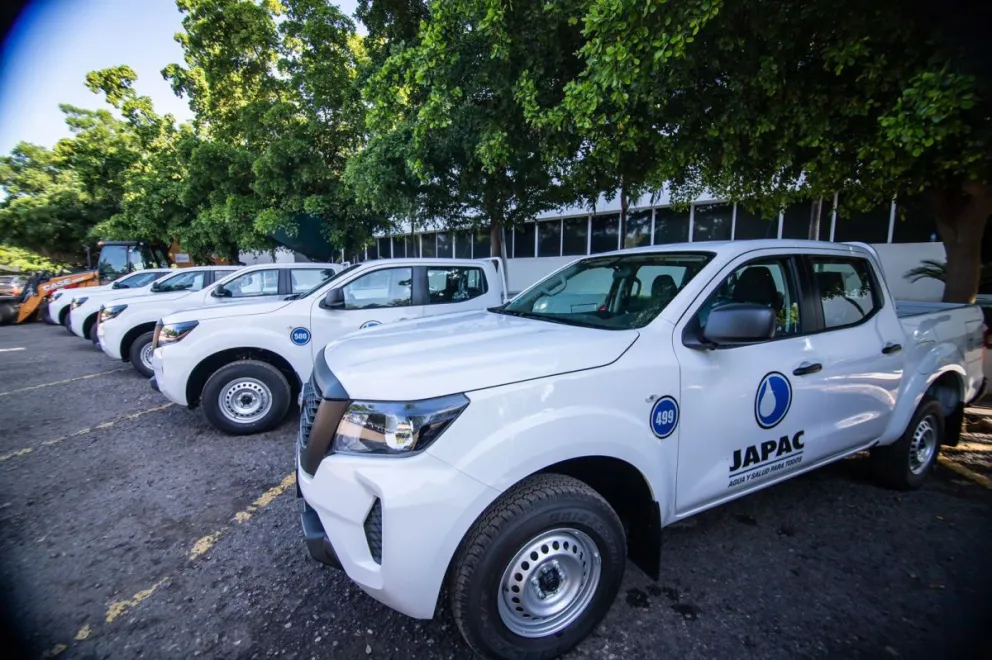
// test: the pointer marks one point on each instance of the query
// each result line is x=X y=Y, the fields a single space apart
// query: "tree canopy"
x=486 y=113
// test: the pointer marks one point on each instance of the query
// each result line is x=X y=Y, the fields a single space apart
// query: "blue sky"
x=55 y=43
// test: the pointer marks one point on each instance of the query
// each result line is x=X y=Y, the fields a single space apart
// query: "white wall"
x=283 y=256
x=897 y=258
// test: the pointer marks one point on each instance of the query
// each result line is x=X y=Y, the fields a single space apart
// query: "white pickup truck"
x=59 y=305
x=518 y=456
x=126 y=327
x=245 y=364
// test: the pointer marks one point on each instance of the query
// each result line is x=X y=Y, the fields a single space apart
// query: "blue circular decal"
x=300 y=336
x=370 y=324
x=772 y=400
x=664 y=416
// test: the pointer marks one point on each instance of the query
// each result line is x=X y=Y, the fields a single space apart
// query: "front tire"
x=906 y=463
x=245 y=397
x=140 y=354
x=538 y=571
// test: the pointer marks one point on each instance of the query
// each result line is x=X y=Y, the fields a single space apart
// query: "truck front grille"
x=373 y=531
x=308 y=410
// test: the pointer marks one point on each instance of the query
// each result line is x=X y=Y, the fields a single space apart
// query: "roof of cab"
x=737 y=247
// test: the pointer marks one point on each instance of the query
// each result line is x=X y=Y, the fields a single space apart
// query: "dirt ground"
x=130 y=529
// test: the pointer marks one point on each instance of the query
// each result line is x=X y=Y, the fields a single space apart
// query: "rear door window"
x=847 y=291
x=455 y=284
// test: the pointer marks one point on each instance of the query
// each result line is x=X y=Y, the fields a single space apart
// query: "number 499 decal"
x=664 y=417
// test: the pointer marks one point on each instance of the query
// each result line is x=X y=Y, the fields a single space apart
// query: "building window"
x=797 y=217
x=748 y=226
x=428 y=245
x=385 y=248
x=523 y=240
x=915 y=222
x=463 y=245
x=712 y=222
x=868 y=227
x=670 y=226
x=444 y=244
x=482 y=245
x=549 y=238
x=575 y=241
x=638 y=229
x=605 y=233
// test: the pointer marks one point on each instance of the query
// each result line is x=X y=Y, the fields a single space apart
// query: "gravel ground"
x=131 y=530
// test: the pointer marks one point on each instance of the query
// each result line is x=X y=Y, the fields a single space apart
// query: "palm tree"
x=937 y=270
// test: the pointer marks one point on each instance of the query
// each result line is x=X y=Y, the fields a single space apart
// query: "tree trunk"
x=623 y=215
x=961 y=220
x=814 y=220
x=495 y=237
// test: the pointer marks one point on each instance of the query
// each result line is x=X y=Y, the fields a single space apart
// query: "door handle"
x=891 y=347
x=807 y=368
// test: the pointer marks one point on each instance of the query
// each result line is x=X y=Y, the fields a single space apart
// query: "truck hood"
x=456 y=353
x=150 y=297
x=226 y=309
x=112 y=294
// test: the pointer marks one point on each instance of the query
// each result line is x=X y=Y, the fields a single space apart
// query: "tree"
x=767 y=101
x=449 y=141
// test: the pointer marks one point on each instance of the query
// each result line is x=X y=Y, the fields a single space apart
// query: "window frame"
x=877 y=296
x=425 y=282
x=800 y=277
x=414 y=280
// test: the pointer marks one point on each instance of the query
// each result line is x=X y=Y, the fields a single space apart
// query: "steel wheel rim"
x=245 y=400
x=549 y=583
x=146 y=353
x=923 y=445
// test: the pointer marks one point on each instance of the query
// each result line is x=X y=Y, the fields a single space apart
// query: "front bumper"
x=110 y=340
x=392 y=524
x=169 y=380
x=982 y=389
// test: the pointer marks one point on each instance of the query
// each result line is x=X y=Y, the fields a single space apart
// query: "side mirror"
x=333 y=300
x=156 y=286
x=115 y=285
x=220 y=292
x=736 y=324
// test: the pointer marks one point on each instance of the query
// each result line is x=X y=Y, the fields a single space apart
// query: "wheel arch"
x=130 y=336
x=90 y=321
x=948 y=389
x=209 y=365
x=63 y=313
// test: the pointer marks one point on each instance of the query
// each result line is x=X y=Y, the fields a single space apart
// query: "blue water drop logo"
x=772 y=400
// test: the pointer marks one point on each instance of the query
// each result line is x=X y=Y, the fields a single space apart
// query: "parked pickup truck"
x=126 y=326
x=61 y=301
x=545 y=441
x=84 y=306
x=245 y=364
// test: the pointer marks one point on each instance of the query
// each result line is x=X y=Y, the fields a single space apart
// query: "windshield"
x=329 y=279
x=613 y=293
x=188 y=281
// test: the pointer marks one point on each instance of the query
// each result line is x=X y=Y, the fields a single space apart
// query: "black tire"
x=896 y=466
x=88 y=325
x=134 y=354
x=8 y=313
x=274 y=380
x=94 y=338
x=538 y=504
x=64 y=317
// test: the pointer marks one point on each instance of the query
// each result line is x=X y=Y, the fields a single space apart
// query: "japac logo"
x=772 y=400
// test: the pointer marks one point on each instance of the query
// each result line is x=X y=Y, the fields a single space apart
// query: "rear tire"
x=64 y=317
x=906 y=463
x=246 y=397
x=140 y=354
x=538 y=571
x=94 y=339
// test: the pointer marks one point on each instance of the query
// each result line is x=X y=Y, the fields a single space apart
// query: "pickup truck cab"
x=61 y=301
x=84 y=306
x=518 y=456
x=245 y=364
x=127 y=325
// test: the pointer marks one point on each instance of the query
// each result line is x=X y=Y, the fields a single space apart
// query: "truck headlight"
x=374 y=427
x=76 y=302
x=170 y=333
x=57 y=294
x=112 y=312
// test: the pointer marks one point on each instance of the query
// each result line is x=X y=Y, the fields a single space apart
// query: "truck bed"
x=910 y=308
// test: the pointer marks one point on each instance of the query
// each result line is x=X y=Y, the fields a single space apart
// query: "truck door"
x=858 y=350
x=746 y=410
x=383 y=295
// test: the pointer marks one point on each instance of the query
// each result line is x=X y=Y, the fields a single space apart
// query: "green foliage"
x=931 y=269
x=25 y=261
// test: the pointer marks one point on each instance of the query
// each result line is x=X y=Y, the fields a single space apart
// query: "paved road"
x=129 y=529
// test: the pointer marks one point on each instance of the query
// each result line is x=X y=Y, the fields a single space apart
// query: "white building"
x=904 y=235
